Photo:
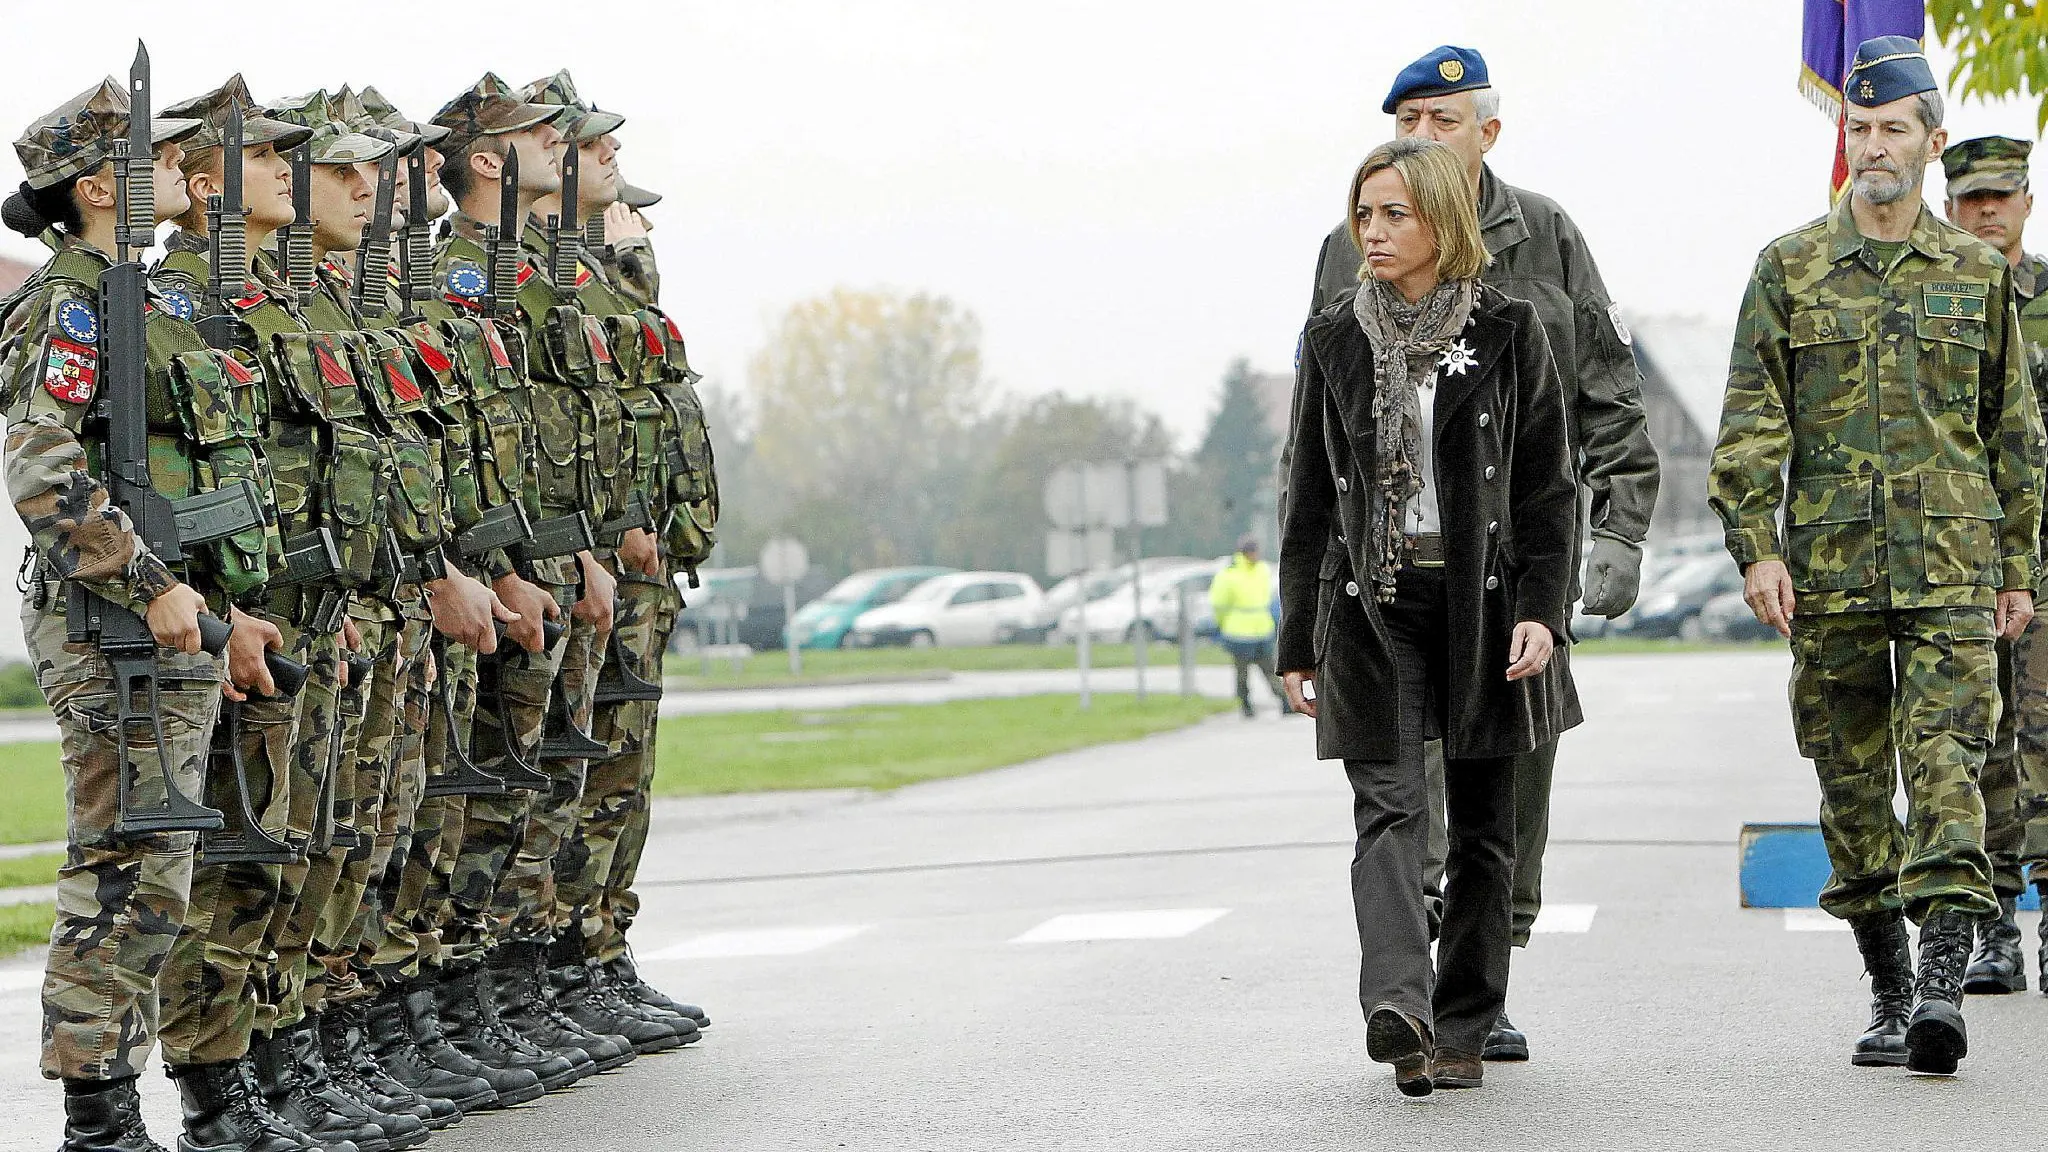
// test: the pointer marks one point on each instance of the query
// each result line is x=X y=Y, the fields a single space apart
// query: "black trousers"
x=1462 y=997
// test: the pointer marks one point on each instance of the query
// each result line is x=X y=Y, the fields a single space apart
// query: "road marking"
x=1813 y=920
x=1157 y=924
x=758 y=942
x=1565 y=918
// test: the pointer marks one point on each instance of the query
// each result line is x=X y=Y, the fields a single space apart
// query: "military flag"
x=1832 y=30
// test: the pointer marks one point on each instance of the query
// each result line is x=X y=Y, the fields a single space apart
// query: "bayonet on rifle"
x=227 y=239
x=373 y=256
x=295 y=240
x=563 y=229
x=501 y=240
x=415 y=253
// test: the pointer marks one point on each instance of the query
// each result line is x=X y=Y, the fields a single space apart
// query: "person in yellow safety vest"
x=1242 y=597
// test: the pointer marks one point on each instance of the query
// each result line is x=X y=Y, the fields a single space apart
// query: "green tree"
x=1231 y=479
x=2001 y=48
x=863 y=404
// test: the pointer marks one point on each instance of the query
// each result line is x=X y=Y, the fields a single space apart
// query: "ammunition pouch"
x=219 y=406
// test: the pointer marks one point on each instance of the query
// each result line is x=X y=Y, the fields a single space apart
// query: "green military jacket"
x=1884 y=412
x=2030 y=290
x=1539 y=256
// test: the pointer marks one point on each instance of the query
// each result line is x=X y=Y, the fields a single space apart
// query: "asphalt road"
x=929 y=970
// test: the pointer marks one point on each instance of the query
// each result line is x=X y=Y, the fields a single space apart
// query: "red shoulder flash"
x=495 y=344
x=594 y=336
x=330 y=367
x=582 y=275
x=525 y=274
x=71 y=371
x=674 y=333
x=252 y=296
x=403 y=385
x=236 y=370
x=431 y=356
x=466 y=302
x=652 y=338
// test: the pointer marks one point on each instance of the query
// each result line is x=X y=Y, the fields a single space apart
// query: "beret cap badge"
x=1451 y=70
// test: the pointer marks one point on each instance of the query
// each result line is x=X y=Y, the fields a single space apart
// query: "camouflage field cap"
x=348 y=108
x=634 y=196
x=381 y=112
x=211 y=110
x=1986 y=164
x=582 y=121
x=78 y=136
x=334 y=142
x=490 y=107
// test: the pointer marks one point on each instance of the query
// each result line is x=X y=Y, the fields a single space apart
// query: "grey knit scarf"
x=1407 y=341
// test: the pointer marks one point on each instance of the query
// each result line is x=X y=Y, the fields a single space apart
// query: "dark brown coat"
x=1508 y=499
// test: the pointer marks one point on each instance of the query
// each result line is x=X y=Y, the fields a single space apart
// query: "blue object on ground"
x=1786 y=866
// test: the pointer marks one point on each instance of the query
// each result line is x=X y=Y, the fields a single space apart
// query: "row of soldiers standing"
x=467 y=473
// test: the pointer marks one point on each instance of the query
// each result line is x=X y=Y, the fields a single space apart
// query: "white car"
x=956 y=610
x=1117 y=617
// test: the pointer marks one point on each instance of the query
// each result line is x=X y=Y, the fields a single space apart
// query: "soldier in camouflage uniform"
x=614 y=787
x=1540 y=256
x=500 y=877
x=120 y=897
x=1877 y=397
x=1988 y=197
x=331 y=486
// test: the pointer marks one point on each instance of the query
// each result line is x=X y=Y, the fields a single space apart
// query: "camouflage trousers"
x=1909 y=693
x=619 y=904
x=314 y=758
x=120 y=899
x=218 y=982
x=2015 y=782
x=386 y=947
x=511 y=710
x=427 y=879
x=615 y=789
x=374 y=798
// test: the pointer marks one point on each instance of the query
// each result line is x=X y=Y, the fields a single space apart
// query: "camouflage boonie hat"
x=1986 y=164
x=490 y=107
x=211 y=110
x=636 y=197
x=348 y=108
x=582 y=121
x=334 y=142
x=78 y=136
x=383 y=114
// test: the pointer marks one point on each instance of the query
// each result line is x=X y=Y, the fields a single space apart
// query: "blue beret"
x=1888 y=68
x=1440 y=72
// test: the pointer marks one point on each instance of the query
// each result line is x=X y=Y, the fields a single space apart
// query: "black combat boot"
x=469 y=1016
x=392 y=1046
x=324 y=1114
x=583 y=999
x=626 y=976
x=521 y=991
x=1936 y=1039
x=221 y=1114
x=104 y=1116
x=346 y=1046
x=620 y=1000
x=2000 y=964
x=509 y=1086
x=1888 y=958
x=1504 y=1041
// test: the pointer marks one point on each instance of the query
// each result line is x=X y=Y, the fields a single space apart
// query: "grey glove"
x=1614 y=575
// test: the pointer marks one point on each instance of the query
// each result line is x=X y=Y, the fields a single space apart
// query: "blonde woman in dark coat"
x=1425 y=573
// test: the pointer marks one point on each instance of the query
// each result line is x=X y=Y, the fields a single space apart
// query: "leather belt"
x=1426 y=550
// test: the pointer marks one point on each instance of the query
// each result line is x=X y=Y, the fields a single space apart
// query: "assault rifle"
x=373 y=255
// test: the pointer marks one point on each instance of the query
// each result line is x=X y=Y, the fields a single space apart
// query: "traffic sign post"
x=784 y=562
x=1087 y=504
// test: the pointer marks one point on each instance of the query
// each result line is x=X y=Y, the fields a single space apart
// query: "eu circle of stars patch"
x=77 y=322
x=178 y=304
x=467 y=281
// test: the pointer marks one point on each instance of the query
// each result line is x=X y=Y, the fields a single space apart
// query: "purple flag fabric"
x=1832 y=29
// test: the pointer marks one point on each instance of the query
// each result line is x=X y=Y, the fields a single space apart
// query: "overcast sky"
x=1129 y=195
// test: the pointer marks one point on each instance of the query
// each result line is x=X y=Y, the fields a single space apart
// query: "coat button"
x=1485 y=419
x=1492 y=582
x=1492 y=527
x=1340 y=538
x=1490 y=470
x=1343 y=485
x=1351 y=587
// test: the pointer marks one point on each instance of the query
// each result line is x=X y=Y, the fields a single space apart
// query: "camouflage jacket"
x=1539 y=256
x=629 y=266
x=2030 y=291
x=1886 y=414
x=49 y=362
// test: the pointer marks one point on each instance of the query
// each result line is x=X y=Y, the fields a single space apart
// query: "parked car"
x=1120 y=616
x=1668 y=607
x=1727 y=618
x=957 y=610
x=824 y=622
x=1089 y=586
x=736 y=606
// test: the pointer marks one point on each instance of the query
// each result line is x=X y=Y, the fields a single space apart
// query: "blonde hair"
x=1443 y=198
